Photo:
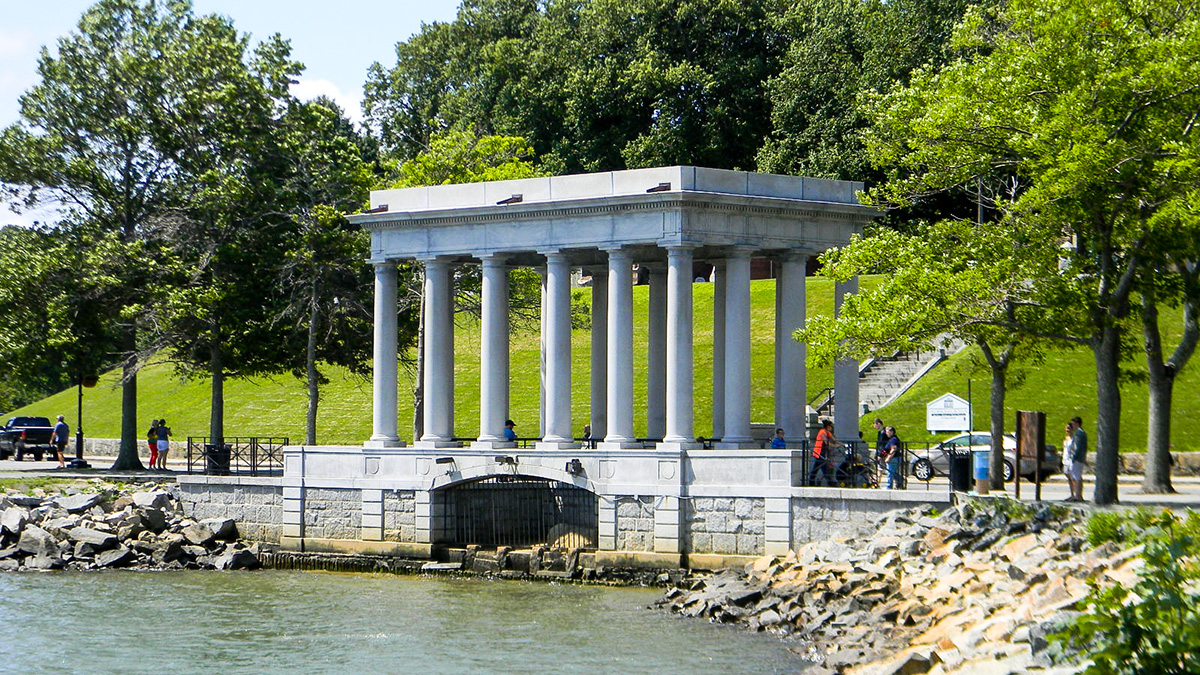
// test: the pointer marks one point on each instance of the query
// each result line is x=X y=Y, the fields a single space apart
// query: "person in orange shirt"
x=823 y=454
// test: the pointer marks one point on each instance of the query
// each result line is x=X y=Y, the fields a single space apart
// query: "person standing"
x=510 y=432
x=891 y=458
x=163 y=433
x=880 y=438
x=1078 y=458
x=822 y=453
x=152 y=443
x=59 y=438
x=778 y=443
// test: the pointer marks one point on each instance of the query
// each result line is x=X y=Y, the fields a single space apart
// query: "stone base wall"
x=256 y=504
x=332 y=513
x=724 y=525
x=400 y=516
x=635 y=523
x=816 y=518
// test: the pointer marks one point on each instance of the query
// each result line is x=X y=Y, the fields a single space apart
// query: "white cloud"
x=308 y=89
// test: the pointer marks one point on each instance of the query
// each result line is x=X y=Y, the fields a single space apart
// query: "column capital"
x=384 y=264
x=553 y=253
x=618 y=253
x=493 y=258
x=796 y=254
x=740 y=251
x=434 y=260
x=679 y=246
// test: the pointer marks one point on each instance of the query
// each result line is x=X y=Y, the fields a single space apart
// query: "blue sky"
x=336 y=41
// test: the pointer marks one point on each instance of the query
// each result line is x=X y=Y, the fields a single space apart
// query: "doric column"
x=599 y=407
x=790 y=371
x=493 y=350
x=439 y=352
x=845 y=376
x=679 y=385
x=384 y=425
x=656 y=356
x=620 y=348
x=541 y=430
x=718 y=362
x=737 y=347
x=558 y=348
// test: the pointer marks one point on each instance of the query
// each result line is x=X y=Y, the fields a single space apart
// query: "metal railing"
x=253 y=455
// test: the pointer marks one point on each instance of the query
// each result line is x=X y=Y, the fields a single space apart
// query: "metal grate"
x=521 y=511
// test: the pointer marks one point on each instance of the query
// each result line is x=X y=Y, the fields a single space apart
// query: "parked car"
x=26 y=435
x=933 y=461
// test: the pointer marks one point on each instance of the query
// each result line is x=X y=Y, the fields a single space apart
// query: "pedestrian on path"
x=58 y=438
x=822 y=454
x=1079 y=448
x=891 y=458
x=152 y=443
x=163 y=432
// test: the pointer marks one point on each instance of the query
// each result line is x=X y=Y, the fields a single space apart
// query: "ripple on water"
x=261 y=623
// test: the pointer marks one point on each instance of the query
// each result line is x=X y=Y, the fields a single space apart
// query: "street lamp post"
x=79 y=462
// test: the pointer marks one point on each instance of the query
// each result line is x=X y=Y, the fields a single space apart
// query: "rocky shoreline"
x=113 y=525
x=974 y=589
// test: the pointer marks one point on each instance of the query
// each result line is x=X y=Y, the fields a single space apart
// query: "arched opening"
x=520 y=511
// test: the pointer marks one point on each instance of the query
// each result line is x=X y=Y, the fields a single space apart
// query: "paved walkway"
x=1129 y=487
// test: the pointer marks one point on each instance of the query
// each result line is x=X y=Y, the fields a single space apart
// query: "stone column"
x=845 y=377
x=679 y=389
x=737 y=349
x=656 y=366
x=384 y=425
x=791 y=390
x=541 y=430
x=599 y=398
x=620 y=350
x=439 y=353
x=558 y=349
x=493 y=351
x=718 y=380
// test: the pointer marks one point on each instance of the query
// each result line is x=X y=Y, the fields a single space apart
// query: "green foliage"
x=1105 y=526
x=463 y=157
x=1150 y=627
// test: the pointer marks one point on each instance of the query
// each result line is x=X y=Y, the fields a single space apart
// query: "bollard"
x=981 y=459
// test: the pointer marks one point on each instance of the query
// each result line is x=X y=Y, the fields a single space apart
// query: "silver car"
x=925 y=463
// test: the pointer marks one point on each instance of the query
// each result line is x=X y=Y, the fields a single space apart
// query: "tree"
x=324 y=276
x=1091 y=105
x=107 y=132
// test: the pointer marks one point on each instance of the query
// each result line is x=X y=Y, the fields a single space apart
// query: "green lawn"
x=1063 y=386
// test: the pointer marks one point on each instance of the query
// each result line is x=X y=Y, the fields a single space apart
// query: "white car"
x=933 y=461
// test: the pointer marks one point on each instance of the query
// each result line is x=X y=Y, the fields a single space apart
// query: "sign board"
x=948 y=413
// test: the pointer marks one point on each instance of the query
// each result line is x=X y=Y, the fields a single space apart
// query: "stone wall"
x=256 y=504
x=818 y=518
x=332 y=513
x=724 y=525
x=635 y=523
x=400 y=516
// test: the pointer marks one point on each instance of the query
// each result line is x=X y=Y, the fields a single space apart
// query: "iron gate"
x=521 y=511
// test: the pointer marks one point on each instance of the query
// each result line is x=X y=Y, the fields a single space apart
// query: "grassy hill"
x=1063 y=386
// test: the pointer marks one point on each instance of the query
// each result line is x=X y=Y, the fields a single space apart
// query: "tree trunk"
x=1157 y=476
x=312 y=375
x=1108 y=417
x=216 y=420
x=127 y=456
x=999 y=389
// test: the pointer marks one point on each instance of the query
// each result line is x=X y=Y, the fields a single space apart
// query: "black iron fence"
x=521 y=511
x=253 y=455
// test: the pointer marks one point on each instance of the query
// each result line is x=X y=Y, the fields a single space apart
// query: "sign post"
x=948 y=413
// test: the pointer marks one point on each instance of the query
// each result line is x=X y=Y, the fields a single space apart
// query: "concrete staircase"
x=882 y=379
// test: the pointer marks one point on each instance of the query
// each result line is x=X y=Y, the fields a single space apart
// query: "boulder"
x=80 y=502
x=13 y=519
x=199 y=534
x=44 y=562
x=84 y=550
x=153 y=519
x=157 y=499
x=26 y=501
x=10 y=552
x=224 y=529
x=117 y=557
x=9 y=565
x=36 y=541
x=237 y=559
x=60 y=526
x=99 y=540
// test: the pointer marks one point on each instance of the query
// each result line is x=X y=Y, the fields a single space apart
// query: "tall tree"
x=1092 y=104
x=108 y=130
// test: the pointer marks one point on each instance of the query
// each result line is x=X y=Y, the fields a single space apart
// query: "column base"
x=556 y=445
x=376 y=443
x=678 y=446
x=735 y=444
x=493 y=445
x=431 y=445
x=619 y=445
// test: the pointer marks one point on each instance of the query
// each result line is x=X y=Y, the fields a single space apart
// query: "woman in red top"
x=822 y=451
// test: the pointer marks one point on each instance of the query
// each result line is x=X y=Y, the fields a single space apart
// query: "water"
x=175 y=623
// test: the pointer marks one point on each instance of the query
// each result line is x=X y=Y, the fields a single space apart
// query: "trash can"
x=981 y=461
x=216 y=460
x=960 y=469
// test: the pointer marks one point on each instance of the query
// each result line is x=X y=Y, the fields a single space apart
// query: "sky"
x=336 y=41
